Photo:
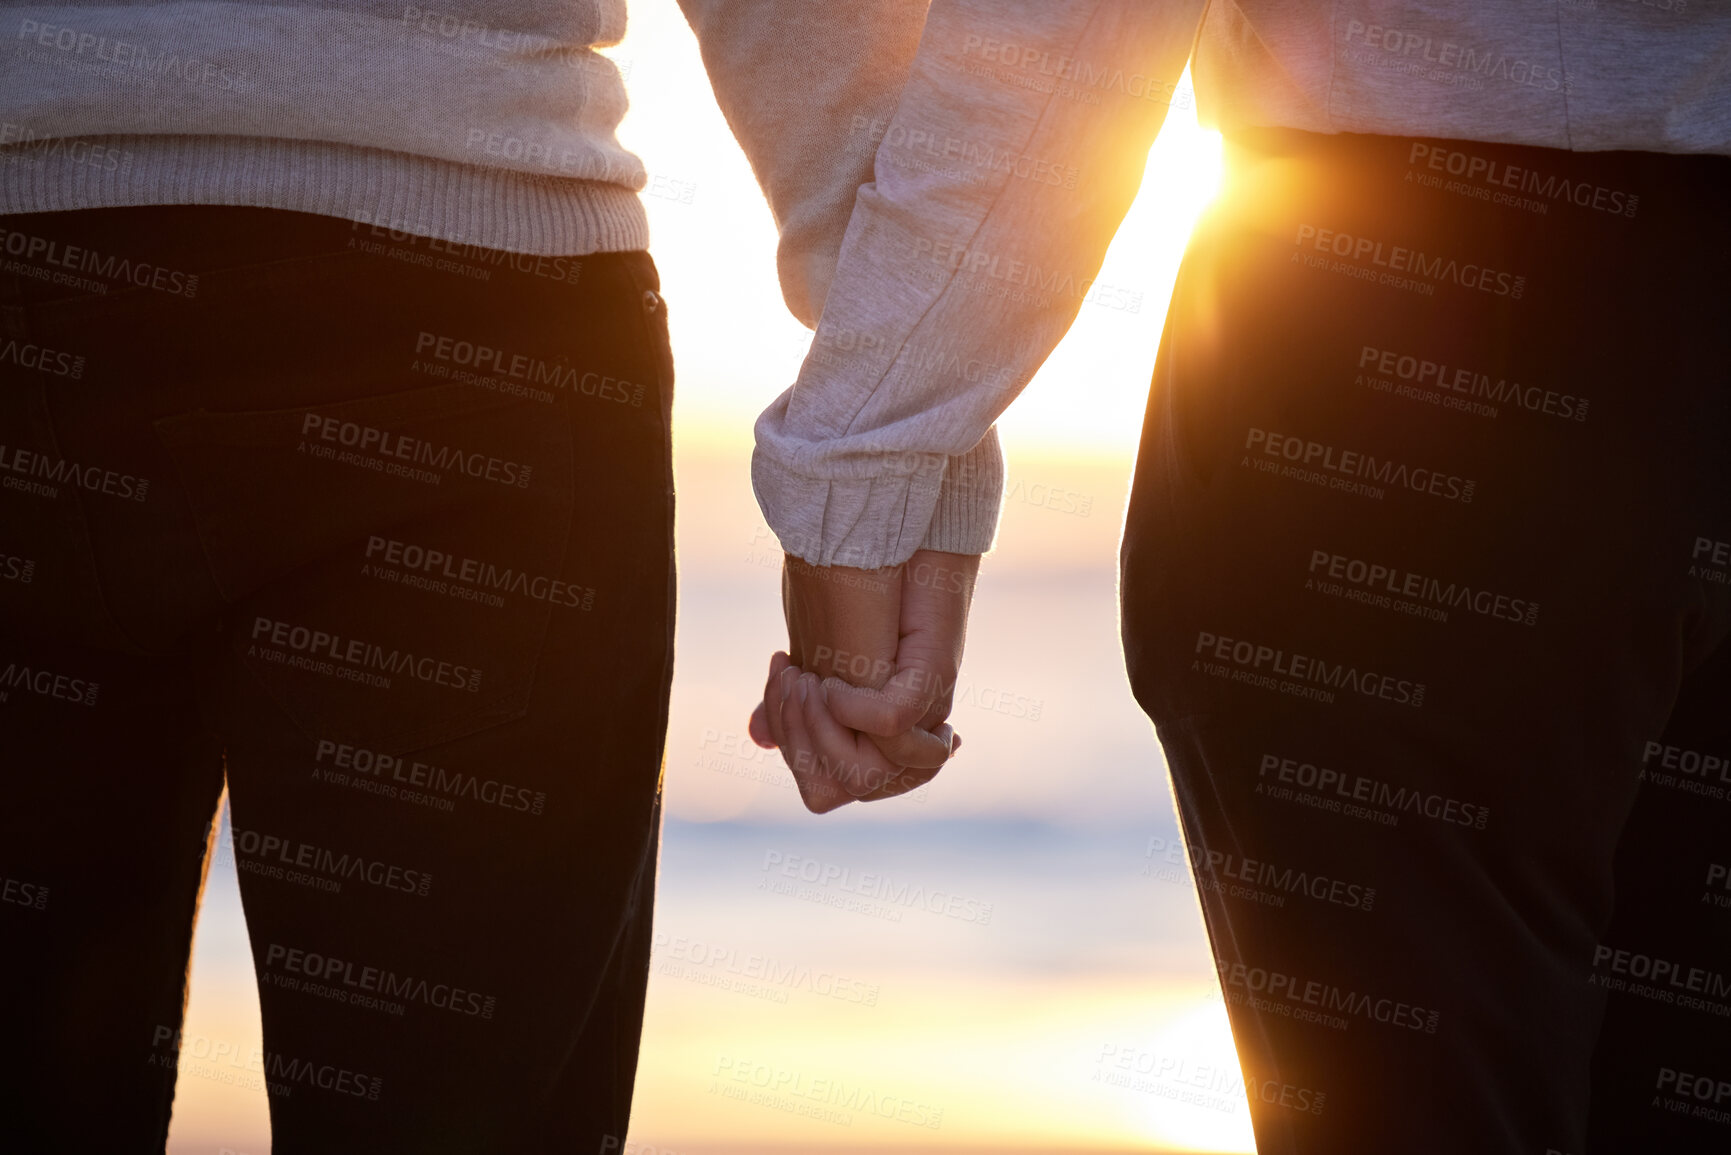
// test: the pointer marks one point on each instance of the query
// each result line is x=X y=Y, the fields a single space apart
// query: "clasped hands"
x=858 y=703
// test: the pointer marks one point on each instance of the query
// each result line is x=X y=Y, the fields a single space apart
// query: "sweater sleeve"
x=999 y=170
x=801 y=86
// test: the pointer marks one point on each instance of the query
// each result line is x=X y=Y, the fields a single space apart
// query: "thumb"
x=900 y=718
x=896 y=706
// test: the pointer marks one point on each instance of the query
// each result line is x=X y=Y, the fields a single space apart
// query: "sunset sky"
x=1067 y=999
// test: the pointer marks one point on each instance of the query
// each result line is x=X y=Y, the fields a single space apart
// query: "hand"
x=858 y=704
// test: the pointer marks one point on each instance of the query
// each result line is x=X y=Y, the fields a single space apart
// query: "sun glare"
x=736 y=345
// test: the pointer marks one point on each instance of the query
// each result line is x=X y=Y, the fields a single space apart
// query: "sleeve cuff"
x=945 y=503
x=965 y=519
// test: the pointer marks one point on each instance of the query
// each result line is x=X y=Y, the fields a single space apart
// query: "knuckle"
x=909 y=715
x=895 y=718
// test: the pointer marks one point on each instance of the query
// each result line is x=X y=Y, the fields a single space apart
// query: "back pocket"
x=393 y=560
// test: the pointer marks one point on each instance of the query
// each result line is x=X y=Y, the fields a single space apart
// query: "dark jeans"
x=1425 y=586
x=380 y=530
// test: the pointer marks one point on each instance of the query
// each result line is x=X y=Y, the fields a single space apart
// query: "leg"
x=1399 y=595
x=409 y=540
x=1662 y=1070
x=111 y=773
x=444 y=683
x=104 y=838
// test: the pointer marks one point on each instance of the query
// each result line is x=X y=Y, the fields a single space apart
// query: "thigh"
x=111 y=780
x=1662 y=1069
x=110 y=770
x=1404 y=592
x=444 y=684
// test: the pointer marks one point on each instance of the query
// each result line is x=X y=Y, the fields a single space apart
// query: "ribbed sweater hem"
x=464 y=204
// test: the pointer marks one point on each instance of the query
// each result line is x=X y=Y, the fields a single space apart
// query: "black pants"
x=1425 y=586
x=380 y=529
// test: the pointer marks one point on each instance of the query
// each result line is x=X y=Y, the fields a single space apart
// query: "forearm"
x=801 y=85
x=1013 y=153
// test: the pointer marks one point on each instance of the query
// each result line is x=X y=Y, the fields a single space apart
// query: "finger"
x=759 y=727
x=858 y=765
x=819 y=790
x=842 y=621
x=774 y=706
x=796 y=737
x=937 y=591
x=916 y=747
x=913 y=778
x=778 y=662
x=907 y=781
x=895 y=709
x=927 y=744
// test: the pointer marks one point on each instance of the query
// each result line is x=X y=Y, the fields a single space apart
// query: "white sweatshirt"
x=945 y=176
